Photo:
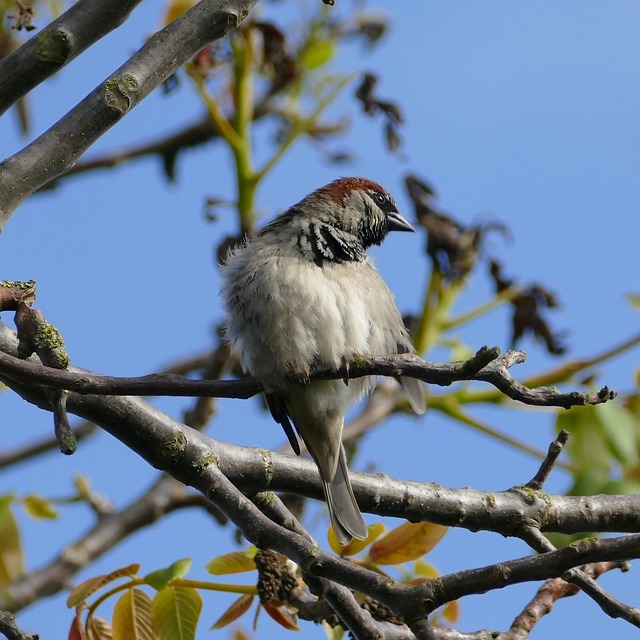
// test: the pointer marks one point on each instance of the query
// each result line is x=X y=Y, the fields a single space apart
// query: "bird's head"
x=357 y=206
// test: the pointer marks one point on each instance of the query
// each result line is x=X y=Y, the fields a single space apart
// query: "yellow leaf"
x=409 y=541
x=11 y=555
x=175 y=613
x=238 y=608
x=177 y=8
x=234 y=562
x=99 y=629
x=132 y=617
x=38 y=507
x=355 y=546
x=423 y=568
x=332 y=633
x=451 y=612
x=88 y=587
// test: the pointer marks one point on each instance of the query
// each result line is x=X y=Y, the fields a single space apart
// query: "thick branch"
x=52 y=48
x=57 y=149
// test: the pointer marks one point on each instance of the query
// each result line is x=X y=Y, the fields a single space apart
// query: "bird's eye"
x=379 y=198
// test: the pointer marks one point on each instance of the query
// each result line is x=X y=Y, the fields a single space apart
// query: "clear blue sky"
x=525 y=112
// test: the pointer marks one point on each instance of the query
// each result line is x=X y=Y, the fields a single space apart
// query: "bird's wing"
x=278 y=410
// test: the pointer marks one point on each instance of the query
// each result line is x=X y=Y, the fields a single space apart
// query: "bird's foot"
x=345 y=366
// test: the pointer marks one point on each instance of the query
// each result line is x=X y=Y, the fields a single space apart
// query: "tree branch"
x=10 y=629
x=169 y=445
x=57 y=149
x=165 y=496
x=547 y=596
x=484 y=366
x=47 y=52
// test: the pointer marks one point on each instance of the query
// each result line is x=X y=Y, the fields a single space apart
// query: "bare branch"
x=475 y=368
x=57 y=149
x=164 y=496
x=220 y=471
x=173 y=447
x=608 y=603
x=497 y=374
x=547 y=596
x=65 y=38
x=43 y=446
x=10 y=629
x=555 y=449
x=543 y=566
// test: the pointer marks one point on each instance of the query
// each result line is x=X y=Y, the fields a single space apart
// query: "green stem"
x=427 y=330
x=248 y=589
x=301 y=126
x=450 y=407
x=243 y=67
x=481 y=310
x=438 y=300
x=222 y=124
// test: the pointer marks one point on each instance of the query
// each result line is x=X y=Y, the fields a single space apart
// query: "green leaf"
x=625 y=486
x=175 y=613
x=11 y=554
x=132 y=617
x=160 y=579
x=634 y=299
x=620 y=429
x=317 y=53
x=587 y=447
x=589 y=482
x=39 y=508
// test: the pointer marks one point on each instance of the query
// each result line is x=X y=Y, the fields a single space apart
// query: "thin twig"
x=608 y=603
x=476 y=368
x=547 y=596
x=555 y=448
x=9 y=628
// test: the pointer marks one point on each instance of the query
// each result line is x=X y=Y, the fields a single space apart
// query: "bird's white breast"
x=317 y=316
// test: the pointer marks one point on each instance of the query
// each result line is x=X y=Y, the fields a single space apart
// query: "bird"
x=302 y=296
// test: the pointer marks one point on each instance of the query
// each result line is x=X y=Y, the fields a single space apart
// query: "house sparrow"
x=301 y=296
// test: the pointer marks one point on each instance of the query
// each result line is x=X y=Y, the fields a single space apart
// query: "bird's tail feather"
x=414 y=392
x=346 y=519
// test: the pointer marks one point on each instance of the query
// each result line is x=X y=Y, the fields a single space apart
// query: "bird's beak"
x=397 y=222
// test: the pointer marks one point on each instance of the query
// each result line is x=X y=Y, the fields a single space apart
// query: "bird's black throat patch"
x=332 y=244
